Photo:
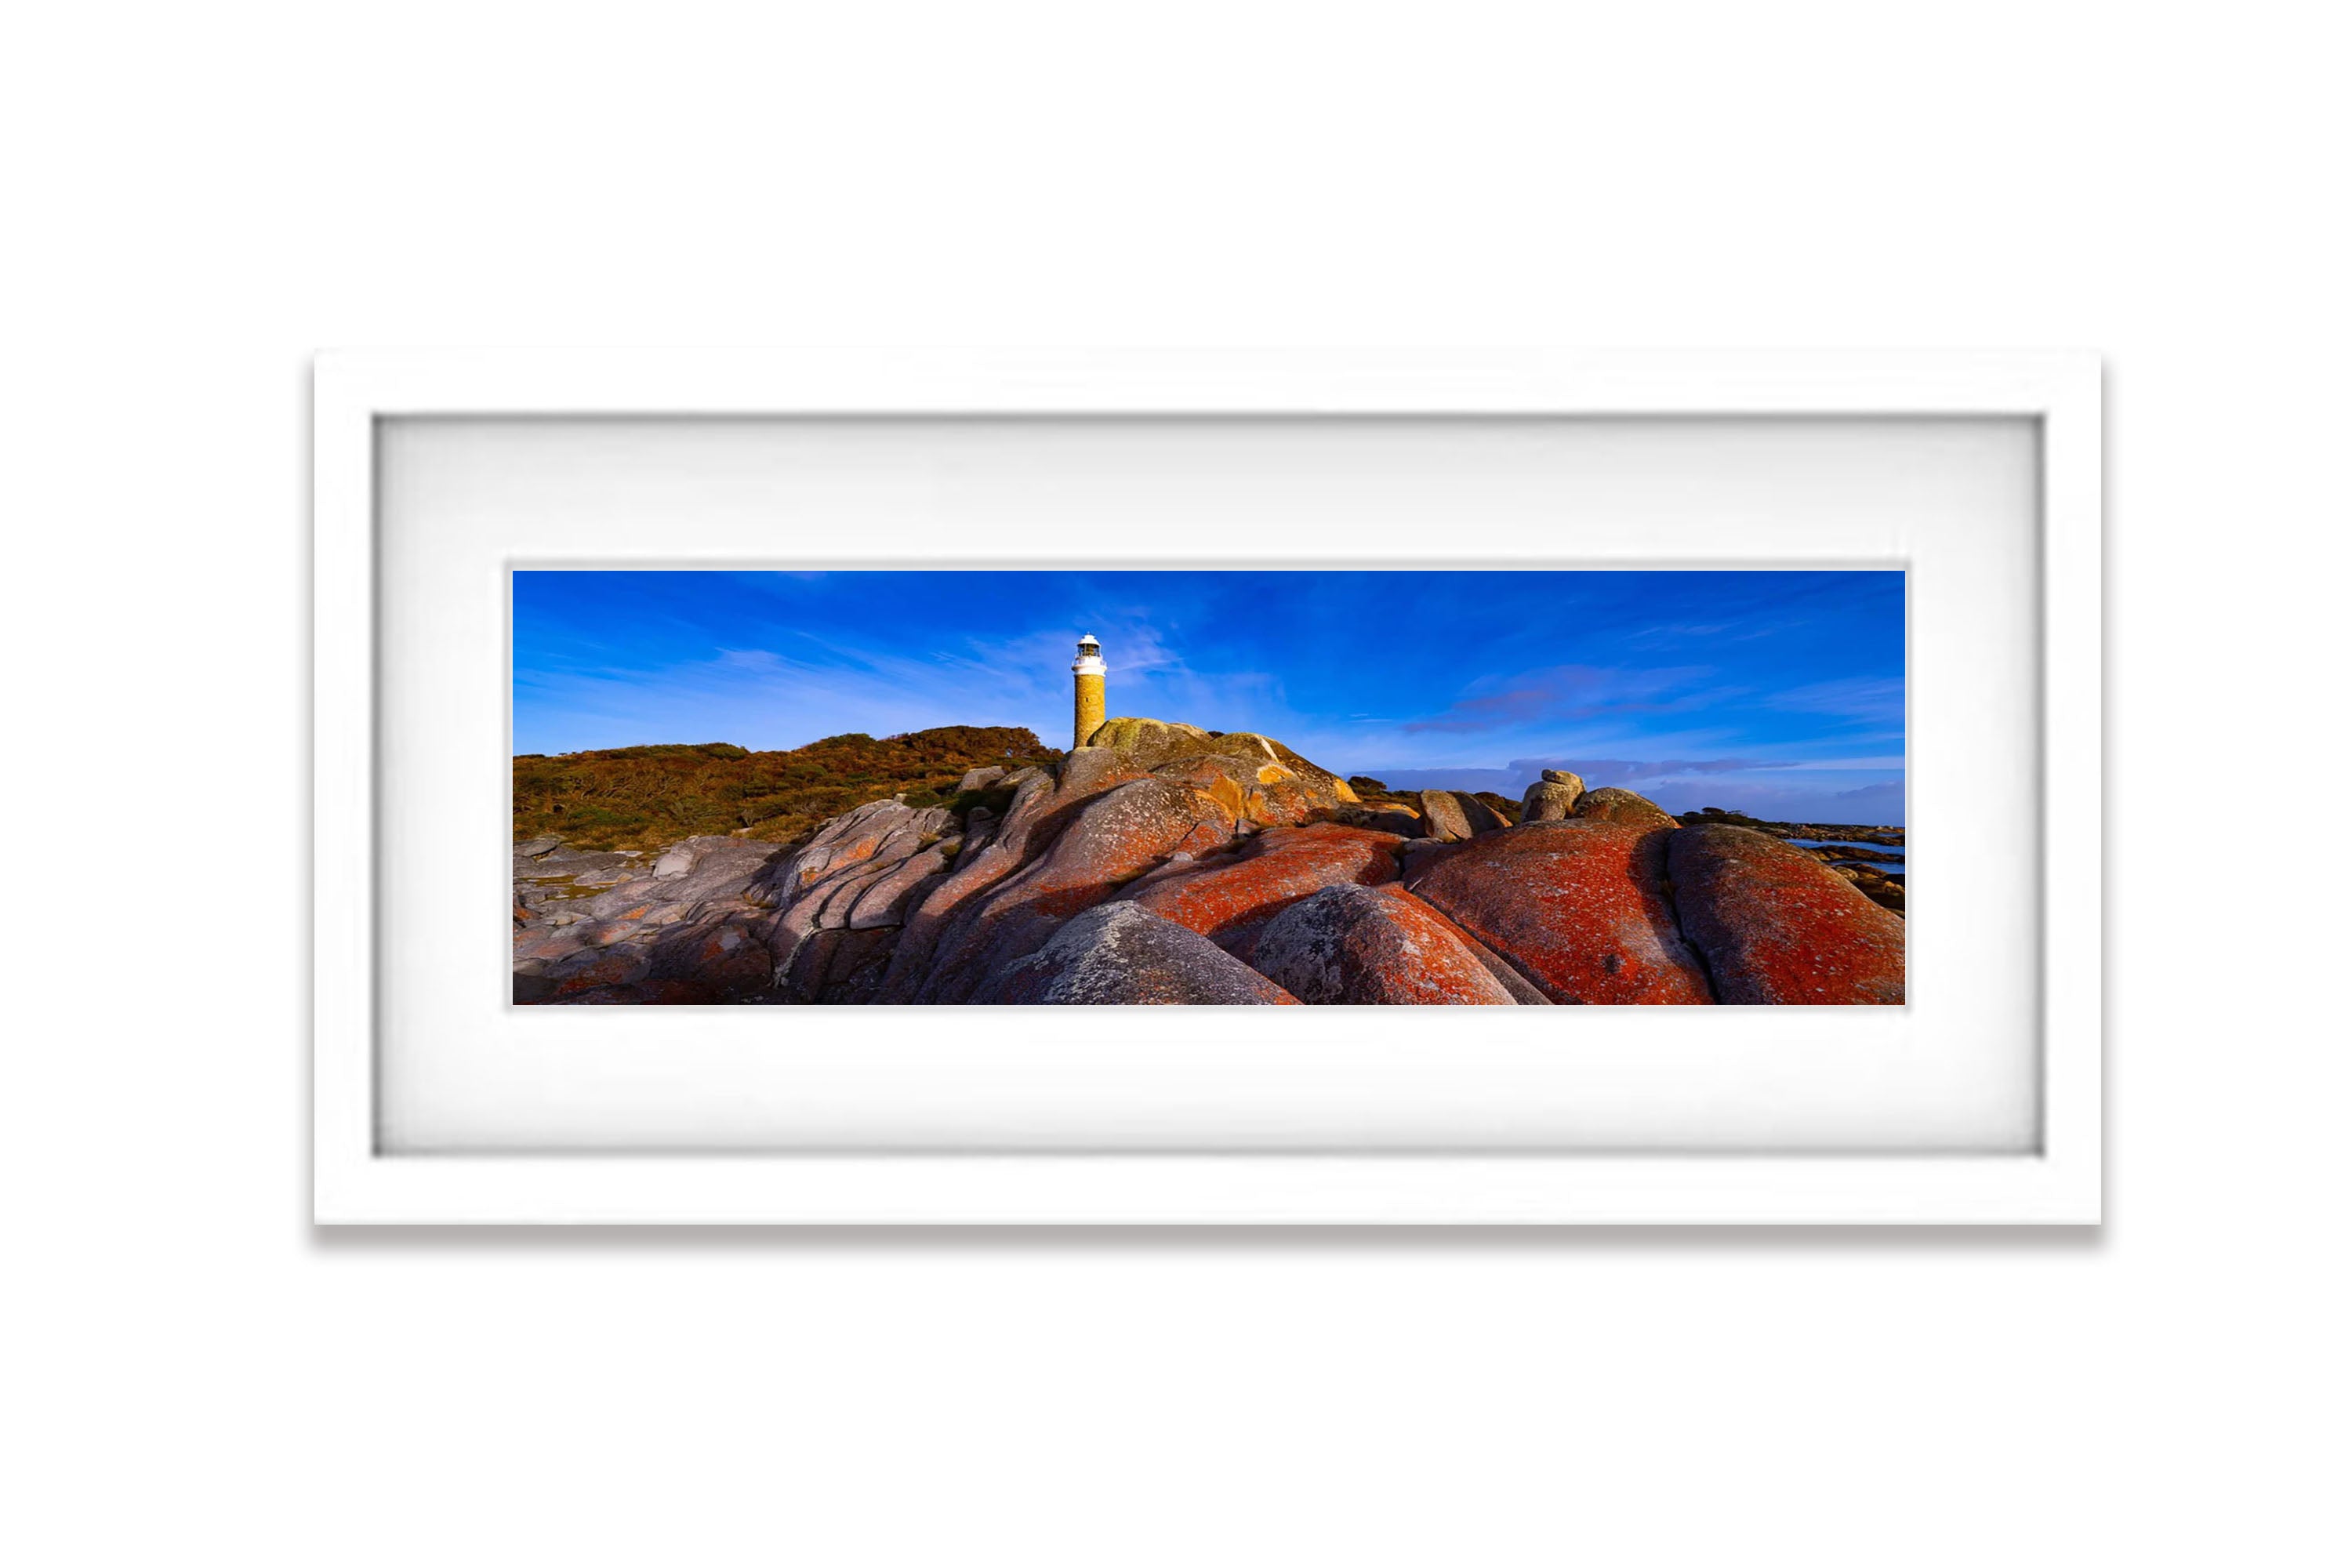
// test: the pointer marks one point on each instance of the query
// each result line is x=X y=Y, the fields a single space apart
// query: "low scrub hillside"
x=643 y=798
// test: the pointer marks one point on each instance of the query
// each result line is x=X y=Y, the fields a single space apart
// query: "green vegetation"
x=643 y=798
x=1502 y=805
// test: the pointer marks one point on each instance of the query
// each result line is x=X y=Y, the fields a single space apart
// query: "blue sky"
x=1776 y=692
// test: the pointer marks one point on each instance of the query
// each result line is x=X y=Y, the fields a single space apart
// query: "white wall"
x=200 y=195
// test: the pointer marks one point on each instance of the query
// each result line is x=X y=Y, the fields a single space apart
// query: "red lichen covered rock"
x=1280 y=801
x=1778 y=926
x=1578 y=908
x=1090 y=769
x=1220 y=897
x=1522 y=991
x=1119 y=836
x=1116 y=837
x=1353 y=944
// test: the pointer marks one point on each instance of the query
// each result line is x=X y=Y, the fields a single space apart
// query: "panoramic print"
x=1248 y=787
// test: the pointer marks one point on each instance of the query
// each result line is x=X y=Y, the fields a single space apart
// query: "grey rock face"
x=1119 y=954
x=1441 y=817
x=979 y=828
x=1623 y=805
x=586 y=868
x=866 y=876
x=835 y=966
x=1482 y=817
x=884 y=901
x=613 y=903
x=852 y=839
x=699 y=871
x=979 y=778
x=910 y=969
x=585 y=945
x=553 y=887
x=1549 y=800
x=1559 y=776
x=841 y=893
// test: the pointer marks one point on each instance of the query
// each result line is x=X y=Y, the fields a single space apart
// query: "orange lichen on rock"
x=1214 y=774
x=1151 y=743
x=1275 y=870
x=1283 y=803
x=1117 y=836
x=1122 y=835
x=1580 y=908
x=1778 y=926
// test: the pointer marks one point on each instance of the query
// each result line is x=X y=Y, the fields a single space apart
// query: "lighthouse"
x=1086 y=674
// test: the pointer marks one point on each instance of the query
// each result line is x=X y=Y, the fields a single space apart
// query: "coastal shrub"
x=644 y=797
x=998 y=799
x=1506 y=808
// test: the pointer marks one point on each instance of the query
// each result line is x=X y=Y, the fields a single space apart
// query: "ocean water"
x=1892 y=868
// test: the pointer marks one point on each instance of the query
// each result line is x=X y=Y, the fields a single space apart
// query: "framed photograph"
x=1188 y=789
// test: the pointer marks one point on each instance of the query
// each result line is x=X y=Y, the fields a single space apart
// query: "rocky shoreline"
x=1162 y=863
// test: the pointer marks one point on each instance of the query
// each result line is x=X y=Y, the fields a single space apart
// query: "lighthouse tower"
x=1087 y=673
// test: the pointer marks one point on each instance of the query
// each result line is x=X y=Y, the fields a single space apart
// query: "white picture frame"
x=358 y=1179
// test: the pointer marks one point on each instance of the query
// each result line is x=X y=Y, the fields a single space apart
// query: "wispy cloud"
x=1568 y=693
x=1599 y=771
x=1859 y=700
